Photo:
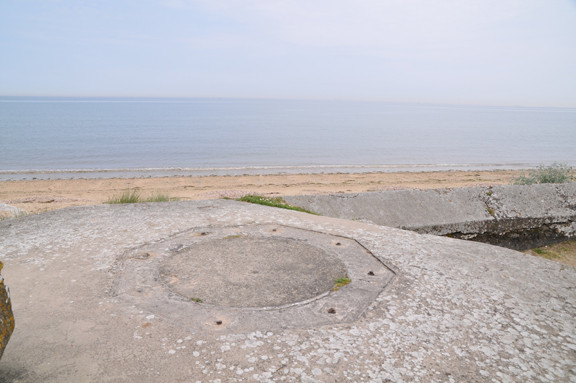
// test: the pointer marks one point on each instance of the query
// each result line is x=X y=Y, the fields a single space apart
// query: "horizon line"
x=431 y=103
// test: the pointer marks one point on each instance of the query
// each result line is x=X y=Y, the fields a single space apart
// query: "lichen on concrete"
x=455 y=311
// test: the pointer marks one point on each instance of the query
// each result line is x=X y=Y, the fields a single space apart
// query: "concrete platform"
x=435 y=309
x=518 y=217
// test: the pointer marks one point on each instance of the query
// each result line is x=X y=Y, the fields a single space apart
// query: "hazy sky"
x=492 y=52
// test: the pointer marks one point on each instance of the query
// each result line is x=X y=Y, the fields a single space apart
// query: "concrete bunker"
x=455 y=310
x=518 y=217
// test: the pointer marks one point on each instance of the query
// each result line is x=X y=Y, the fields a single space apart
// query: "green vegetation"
x=272 y=201
x=491 y=212
x=547 y=252
x=340 y=282
x=160 y=198
x=564 y=252
x=197 y=300
x=554 y=174
x=129 y=196
x=134 y=196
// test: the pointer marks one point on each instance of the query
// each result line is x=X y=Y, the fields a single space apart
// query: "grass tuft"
x=554 y=174
x=129 y=196
x=272 y=201
x=340 y=282
x=160 y=198
x=134 y=196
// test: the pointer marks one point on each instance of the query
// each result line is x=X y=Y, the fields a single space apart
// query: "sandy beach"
x=37 y=196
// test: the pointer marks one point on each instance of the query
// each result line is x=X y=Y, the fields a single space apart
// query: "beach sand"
x=37 y=196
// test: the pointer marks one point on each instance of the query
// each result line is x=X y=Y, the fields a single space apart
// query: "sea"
x=53 y=138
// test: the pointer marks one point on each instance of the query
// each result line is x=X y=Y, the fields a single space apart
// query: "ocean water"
x=108 y=137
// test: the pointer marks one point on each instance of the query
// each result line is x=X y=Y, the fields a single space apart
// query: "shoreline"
x=37 y=196
x=64 y=174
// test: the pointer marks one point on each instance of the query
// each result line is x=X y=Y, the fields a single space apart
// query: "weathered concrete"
x=242 y=276
x=251 y=271
x=8 y=211
x=454 y=310
x=515 y=216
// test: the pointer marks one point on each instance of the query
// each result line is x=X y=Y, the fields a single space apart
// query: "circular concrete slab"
x=252 y=272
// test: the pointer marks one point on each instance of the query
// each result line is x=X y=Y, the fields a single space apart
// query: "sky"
x=484 y=52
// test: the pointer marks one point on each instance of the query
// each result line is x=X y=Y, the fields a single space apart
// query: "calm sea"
x=108 y=137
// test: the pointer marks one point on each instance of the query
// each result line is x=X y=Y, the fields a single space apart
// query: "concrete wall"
x=515 y=216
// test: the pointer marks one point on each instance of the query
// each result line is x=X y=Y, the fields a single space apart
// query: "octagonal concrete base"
x=454 y=311
x=298 y=290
